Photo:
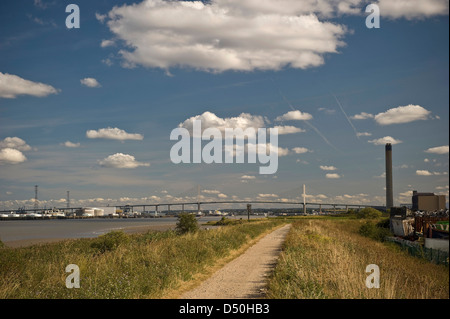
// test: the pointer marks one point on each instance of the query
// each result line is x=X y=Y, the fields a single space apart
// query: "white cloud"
x=120 y=160
x=90 y=82
x=114 y=134
x=300 y=150
x=222 y=195
x=11 y=156
x=286 y=129
x=438 y=150
x=328 y=168
x=12 y=85
x=413 y=9
x=384 y=140
x=211 y=120
x=280 y=150
x=268 y=195
x=107 y=43
x=294 y=115
x=402 y=114
x=428 y=173
x=362 y=116
x=222 y=35
x=210 y=191
x=363 y=134
x=71 y=145
x=16 y=143
x=333 y=175
x=248 y=177
x=423 y=173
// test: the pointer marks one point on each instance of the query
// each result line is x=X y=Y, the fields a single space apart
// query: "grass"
x=118 y=265
x=326 y=258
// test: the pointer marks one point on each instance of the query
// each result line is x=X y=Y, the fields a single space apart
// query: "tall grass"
x=328 y=258
x=120 y=266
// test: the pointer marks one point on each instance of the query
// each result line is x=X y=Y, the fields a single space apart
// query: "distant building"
x=427 y=201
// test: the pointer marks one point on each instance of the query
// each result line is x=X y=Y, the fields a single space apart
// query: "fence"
x=436 y=256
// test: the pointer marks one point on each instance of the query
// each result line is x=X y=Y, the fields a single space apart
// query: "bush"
x=2 y=244
x=187 y=223
x=375 y=231
x=227 y=221
x=368 y=213
x=110 y=241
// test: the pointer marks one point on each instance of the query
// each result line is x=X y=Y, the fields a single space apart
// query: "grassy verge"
x=146 y=265
x=325 y=258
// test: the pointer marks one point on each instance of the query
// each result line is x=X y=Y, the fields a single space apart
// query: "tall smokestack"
x=389 y=189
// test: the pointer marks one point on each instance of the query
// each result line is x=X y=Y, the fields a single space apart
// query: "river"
x=16 y=233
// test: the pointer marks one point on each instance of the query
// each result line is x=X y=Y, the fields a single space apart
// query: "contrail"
x=348 y=119
x=309 y=124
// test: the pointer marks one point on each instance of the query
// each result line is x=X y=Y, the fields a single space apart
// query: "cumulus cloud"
x=11 y=156
x=12 y=85
x=120 y=160
x=286 y=129
x=294 y=116
x=107 y=43
x=210 y=191
x=268 y=195
x=428 y=173
x=333 y=176
x=402 y=114
x=327 y=168
x=363 y=134
x=248 y=177
x=113 y=134
x=90 y=82
x=413 y=9
x=221 y=35
x=438 y=150
x=362 y=116
x=15 y=143
x=385 y=140
x=211 y=120
x=300 y=150
x=71 y=145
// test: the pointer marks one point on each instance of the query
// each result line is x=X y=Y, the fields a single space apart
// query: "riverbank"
x=136 y=265
x=21 y=233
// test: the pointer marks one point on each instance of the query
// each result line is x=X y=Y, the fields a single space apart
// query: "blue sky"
x=161 y=64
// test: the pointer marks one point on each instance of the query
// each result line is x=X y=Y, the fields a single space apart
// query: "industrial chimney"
x=389 y=189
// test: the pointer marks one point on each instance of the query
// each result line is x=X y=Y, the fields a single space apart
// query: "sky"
x=90 y=110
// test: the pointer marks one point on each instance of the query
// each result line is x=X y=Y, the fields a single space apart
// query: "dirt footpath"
x=245 y=276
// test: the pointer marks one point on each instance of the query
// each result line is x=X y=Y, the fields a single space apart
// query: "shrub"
x=374 y=231
x=187 y=223
x=110 y=241
x=1 y=244
x=368 y=213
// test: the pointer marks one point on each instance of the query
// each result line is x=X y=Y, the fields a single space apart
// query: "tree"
x=187 y=223
x=369 y=212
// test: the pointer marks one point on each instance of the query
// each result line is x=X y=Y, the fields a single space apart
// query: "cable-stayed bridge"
x=198 y=197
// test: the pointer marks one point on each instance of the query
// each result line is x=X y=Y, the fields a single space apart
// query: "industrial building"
x=427 y=202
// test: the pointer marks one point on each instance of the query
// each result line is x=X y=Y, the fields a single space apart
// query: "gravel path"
x=245 y=276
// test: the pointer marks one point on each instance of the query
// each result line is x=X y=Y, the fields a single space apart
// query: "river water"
x=34 y=231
